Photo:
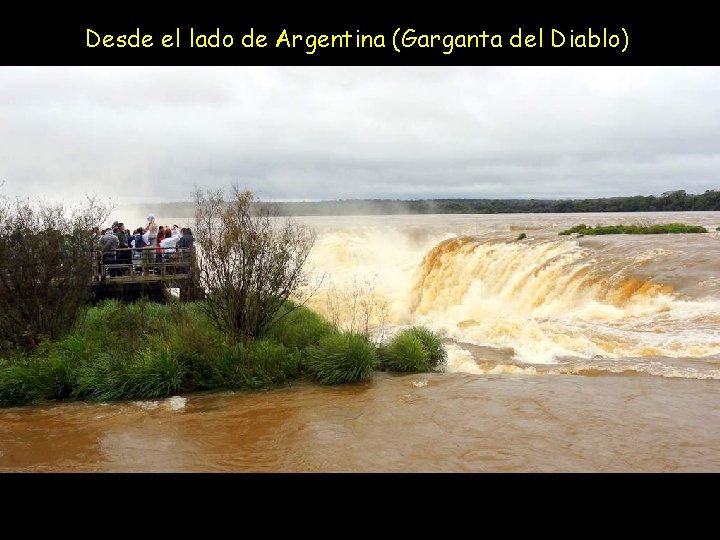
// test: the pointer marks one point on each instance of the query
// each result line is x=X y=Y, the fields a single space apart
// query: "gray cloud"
x=152 y=133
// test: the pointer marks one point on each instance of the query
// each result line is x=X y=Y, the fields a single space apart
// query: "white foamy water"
x=546 y=300
x=174 y=403
x=463 y=361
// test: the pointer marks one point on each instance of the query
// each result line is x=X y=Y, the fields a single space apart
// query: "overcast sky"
x=152 y=133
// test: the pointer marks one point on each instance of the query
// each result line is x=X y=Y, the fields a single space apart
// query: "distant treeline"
x=668 y=201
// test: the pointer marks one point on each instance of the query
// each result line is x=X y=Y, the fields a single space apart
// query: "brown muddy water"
x=565 y=354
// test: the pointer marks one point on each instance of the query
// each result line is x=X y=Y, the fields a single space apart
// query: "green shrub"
x=57 y=375
x=299 y=328
x=99 y=380
x=341 y=358
x=198 y=345
x=264 y=363
x=46 y=268
x=406 y=353
x=576 y=229
x=145 y=351
x=431 y=342
x=59 y=362
x=123 y=328
x=18 y=383
x=208 y=371
x=668 y=228
x=152 y=373
x=521 y=236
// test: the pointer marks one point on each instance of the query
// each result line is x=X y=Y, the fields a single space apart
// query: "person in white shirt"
x=167 y=245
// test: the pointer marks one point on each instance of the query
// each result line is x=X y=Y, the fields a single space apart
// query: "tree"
x=249 y=262
x=46 y=266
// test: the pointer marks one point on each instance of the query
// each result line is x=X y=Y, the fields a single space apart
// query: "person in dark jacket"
x=185 y=247
x=108 y=244
x=138 y=242
x=123 y=256
x=186 y=240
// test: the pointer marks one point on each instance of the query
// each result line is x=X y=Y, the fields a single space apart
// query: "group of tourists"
x=146 y=248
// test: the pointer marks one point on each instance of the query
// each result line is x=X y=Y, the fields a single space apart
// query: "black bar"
x=59 y=36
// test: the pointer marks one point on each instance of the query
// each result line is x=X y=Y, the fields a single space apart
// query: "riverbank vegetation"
x=668 y=228
x=245 y=334
x=670 y=201
x=147 y=350
x=253 y=264
x=46 y=265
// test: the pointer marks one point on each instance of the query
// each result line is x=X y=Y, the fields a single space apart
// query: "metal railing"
x=145 y=264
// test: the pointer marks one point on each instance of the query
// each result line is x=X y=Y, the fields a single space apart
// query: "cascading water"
x=549 y=303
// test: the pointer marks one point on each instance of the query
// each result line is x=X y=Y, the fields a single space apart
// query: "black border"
x=57 y=35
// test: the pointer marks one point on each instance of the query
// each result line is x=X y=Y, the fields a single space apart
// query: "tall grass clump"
x=298 y=327
x=153 y=372
x=198 y=346
x=100 y=380
x=406 y=353
x=126 y=351
x=122 y=328
x=262 y=364
x=18 y=383
x=431 y=342
x=58 y=364
x=341 y=358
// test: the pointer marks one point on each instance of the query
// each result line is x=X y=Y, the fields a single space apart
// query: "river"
x=565 y=354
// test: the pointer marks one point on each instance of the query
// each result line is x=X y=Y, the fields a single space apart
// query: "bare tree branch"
x=46 y=267
x=250 y=262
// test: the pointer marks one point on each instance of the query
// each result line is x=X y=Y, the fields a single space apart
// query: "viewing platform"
x=129 y=274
